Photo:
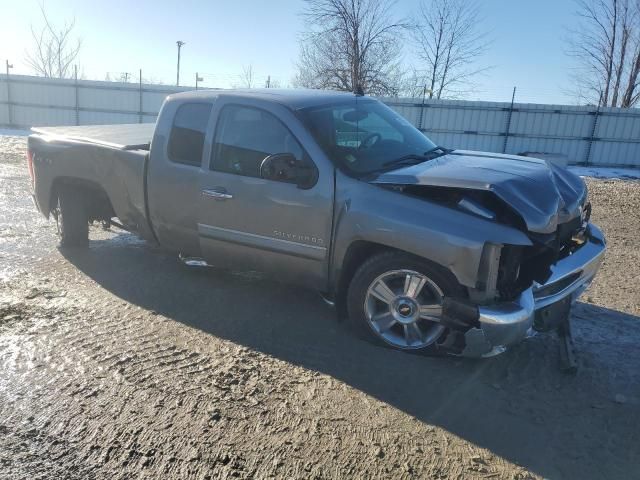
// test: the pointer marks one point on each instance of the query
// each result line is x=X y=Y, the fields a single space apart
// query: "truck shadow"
x=518 y=405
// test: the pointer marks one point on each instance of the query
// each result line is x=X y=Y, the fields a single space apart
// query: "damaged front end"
x=523 y=289
x=487 y=328
x=519 y=288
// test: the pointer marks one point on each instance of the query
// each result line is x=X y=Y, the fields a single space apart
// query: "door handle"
x=218 y=193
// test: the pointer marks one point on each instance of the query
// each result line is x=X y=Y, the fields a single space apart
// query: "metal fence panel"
x=573 y=149
x=616 y=153
x=59 y=94
x=103 y=99
x=585 y=134
x=549 y=123
x=152 y=101
x=42 y=116
x=618 y=127
x=102 y=118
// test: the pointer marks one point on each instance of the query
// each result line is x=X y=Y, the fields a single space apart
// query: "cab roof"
x=294 y=99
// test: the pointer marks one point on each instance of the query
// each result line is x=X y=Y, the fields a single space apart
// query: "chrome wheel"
x=404 y=308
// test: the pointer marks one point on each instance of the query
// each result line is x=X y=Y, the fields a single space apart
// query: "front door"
x=246 y=222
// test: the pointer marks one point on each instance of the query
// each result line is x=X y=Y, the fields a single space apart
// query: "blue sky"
x=223 y=36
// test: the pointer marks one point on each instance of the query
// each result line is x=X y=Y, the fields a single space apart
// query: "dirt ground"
x=119 y=362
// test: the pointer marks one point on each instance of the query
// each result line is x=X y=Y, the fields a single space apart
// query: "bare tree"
x=124 y=77
x=414 y=84
x=272 y=83
x=351 y=45
x=54 y=50
x=449 y=43
x=246 y=79
x=606 y=47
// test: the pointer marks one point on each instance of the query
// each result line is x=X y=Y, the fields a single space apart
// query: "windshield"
x=365 y=136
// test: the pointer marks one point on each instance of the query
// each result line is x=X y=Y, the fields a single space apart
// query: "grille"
x=520 y=266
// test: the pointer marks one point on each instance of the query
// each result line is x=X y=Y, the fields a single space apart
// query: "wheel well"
x=357 y=253
x=96 y=200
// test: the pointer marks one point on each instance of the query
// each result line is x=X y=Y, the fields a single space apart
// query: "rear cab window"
x=186 y=140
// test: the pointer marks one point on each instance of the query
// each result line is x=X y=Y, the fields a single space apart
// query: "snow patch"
x=14 y=132
x=607 y=172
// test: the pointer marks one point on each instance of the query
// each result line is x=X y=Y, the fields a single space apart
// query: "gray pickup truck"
x=425 y=248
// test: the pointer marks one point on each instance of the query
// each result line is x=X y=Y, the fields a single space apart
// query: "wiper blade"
x=436 y=148
x=407 y=159
x=414 y=158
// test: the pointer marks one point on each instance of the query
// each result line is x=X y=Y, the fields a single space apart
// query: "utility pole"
x=179 y=43
x=198 y=79
x=269 y=81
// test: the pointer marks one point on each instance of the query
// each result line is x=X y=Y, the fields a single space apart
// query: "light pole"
x=179 y=43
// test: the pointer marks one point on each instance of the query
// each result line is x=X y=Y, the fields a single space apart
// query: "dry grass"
x=616 y=209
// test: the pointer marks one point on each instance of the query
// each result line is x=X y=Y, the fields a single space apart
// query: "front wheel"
x=71 y=218
x=395 y=300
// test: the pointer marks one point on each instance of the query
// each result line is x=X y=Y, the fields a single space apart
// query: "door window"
x=245 y=136
x=186 y=139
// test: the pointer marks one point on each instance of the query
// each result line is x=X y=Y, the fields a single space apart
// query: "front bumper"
x=504 y=324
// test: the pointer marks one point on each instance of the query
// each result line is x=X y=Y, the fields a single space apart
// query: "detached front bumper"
x=540 y=306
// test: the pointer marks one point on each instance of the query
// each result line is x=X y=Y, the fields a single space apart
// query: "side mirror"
x=284 y=167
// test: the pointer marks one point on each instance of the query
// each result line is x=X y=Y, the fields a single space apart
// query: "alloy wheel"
x=404 y=308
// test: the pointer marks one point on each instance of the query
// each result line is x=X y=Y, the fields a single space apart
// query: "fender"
x=450 y=238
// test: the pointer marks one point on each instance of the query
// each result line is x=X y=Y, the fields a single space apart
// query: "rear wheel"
x=71 y=218
x=395 y=300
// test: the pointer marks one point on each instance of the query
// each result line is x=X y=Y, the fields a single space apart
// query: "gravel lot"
x=119 y=362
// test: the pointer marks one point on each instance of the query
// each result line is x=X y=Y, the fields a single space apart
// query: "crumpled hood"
x=542 y=193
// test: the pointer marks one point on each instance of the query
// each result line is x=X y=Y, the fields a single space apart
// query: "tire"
x=405 y=320
x=71 y=217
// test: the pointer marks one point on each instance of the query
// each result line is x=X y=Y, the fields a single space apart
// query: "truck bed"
x=128 y=136
x=106 y=161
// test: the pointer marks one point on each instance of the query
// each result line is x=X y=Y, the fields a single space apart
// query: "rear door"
x=175 y=168
x=247 y=222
